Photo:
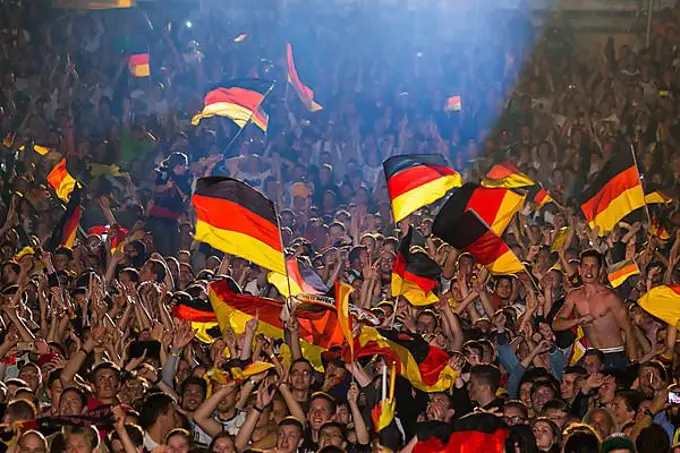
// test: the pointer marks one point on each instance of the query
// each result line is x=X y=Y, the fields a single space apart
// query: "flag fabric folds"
x=64 y=234
x=654 y=194
x=579 y=346
x=237 y=219
x=414 y=275
x=618 y=273
x=303 y=279
x=424 y=366
x=508 y=176
x=466 y=231
x=416 y=180
x=477 y=432
x=61 y=180
x=663 y=302
x=201 y=316
x=615 y=193
x=138 y=64
x=240 y=101
x=319 y=328
x=305 y=93
x=496 y=207
x=342 y=293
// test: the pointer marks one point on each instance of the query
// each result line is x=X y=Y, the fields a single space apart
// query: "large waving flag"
x=240 y=101
x=414 y=274
x=301 y=279
x=615 y=193
x=319 y=327
x=424 y=366
x=237 y=219
x=64 y=234
x=476 y=432
x=496 y=207
x=663 y=302
x=61 y=180
x=508 y=176
x=305 y=93
x=416 y=180
x=468 y=232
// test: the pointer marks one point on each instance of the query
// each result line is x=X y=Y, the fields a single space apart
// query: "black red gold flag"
x=61 y=180
x=414 y=274
x=507 y=176
x=423 y=365
x=301 y=278
x=655 y=194
x=615 y=193
x=237 y=219
x=240 y=101
x=475 y=432
x=469 y=233
x=305 y=93
x=201 y=316
x=416 y=180
x=663 y=302
x=618 y=273
x=64 y=234
x=138 y=64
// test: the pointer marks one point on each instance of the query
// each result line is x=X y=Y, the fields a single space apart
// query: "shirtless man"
x=601 y=314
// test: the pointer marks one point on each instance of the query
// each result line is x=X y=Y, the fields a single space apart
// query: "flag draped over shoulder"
x=301 y=277
x=64 y=234
x=319 y=328
x=305 y=93
x=496 y=207
x=424 y=366
x=663 y=302
x=474 y=433
x=138 y=64
x=615 y=193
x=416 y=180
x=618 y=273
x=240 y=101
x=61 y=180
x=508 y=176
x=414 y=275
x=466 y=231
x=237 y=219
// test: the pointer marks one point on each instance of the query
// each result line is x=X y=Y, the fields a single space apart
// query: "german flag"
x=475 y=432
x=64 y=234
x=201 y=316
x=658 y=229
x=301 y=278
x=305 y=93
x=61 y=180
x=319 y=328
x=496 y=207
x=240 y=101
x=240 y=38
x=138 y=64
x=416 y=180
x=615 y=193
x=654 y=194
x=508 y=176
x=342 y=293
x=414 y=274
x=116 y=232
x=469 y=233
x=453 y=104
x=618 y=273
x=382 y=416
x=663 y=302
x=578 y=347
x=424 y=366
x=237 y=219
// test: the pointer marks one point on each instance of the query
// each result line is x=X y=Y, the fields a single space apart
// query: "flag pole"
x=240 y=131
x=649 y=217
x=278 y=224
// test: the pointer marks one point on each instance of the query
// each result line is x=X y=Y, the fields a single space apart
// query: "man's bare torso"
x=604 y=331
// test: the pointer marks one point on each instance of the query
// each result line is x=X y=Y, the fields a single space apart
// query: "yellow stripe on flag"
x=627 y=202
x=663 y=302
x=238 y=114
x=415 y=199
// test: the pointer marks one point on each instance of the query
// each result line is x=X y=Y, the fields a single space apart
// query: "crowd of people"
x=92 y=356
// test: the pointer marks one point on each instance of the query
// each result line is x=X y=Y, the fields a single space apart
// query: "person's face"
x=31 y=443
x=301 y=376
x=569 y=385
x=540 y=397
x=223 y=445
x=525 y=393
x=192 y=397
x=319 y=413
x=70 y=404
x=504 y=288
x=557 y=416
x=466 y=264
x=513 y=416
x=650 y=380
x=288 y=439
x=178 y=444
x=77 y=443
x=438 y=409
x=544 y=435
x=620 y=411
x=592 y=364
x=228 y=402
x=426 y=324
x=476 y=389
x=342 y=414
x=601 y=424
x=30 y=375
x=106 y=384
x=589 y=270
x=60 y=261
x=606 y=391
x=331 y=435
